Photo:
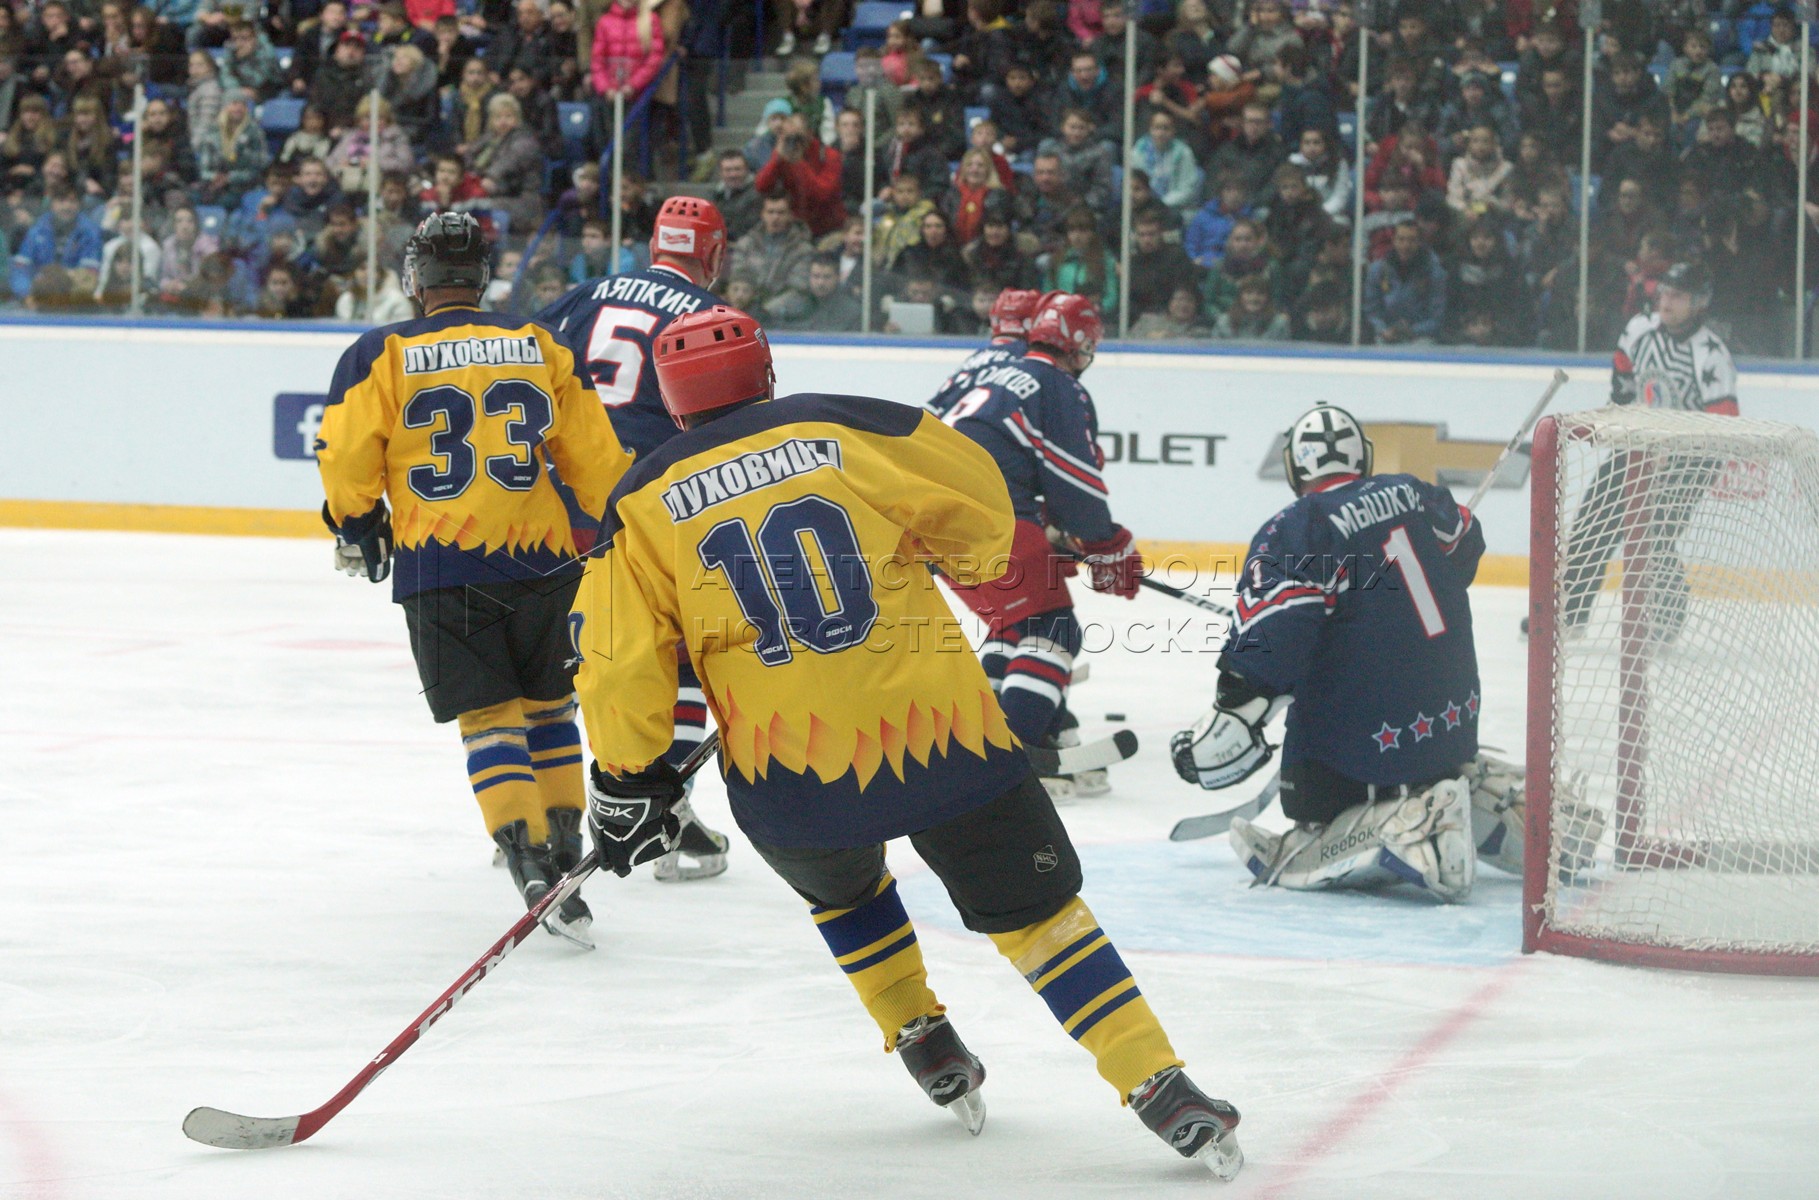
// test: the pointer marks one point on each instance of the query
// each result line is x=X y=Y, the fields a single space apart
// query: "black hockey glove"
x=363 y=545
x=632 y=816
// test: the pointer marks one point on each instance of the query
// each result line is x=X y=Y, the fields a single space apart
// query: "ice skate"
x=532 y=873
x=572 y=919
x=944 y=1068
x=1194 y=1124
x=705 y=849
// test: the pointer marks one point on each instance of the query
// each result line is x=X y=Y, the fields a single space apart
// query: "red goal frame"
x=1633 y=850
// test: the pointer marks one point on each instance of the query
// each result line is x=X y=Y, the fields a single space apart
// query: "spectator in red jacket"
x=809 y=174
x=1411 y=156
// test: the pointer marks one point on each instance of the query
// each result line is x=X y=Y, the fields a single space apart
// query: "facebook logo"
x=296 y=416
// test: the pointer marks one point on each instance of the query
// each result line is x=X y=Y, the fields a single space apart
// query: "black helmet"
x=1693 y=278
x=448 y=251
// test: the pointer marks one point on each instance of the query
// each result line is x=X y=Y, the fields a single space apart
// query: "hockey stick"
x=1509 y=448
x=1212 y=606
x=1191 y=828
x=1087 y=757
x=230 y=1131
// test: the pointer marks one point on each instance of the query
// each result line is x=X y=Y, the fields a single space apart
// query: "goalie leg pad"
x=1499 y=811
x=1423 y=839
x=1431 y=834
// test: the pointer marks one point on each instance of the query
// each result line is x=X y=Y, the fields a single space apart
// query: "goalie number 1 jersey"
x=784 y=544
x=1354 y=600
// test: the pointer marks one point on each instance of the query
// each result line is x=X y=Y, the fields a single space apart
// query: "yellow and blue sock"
x=554 y=741
x=500 y=769
x=1076 y=970
x=875 y=945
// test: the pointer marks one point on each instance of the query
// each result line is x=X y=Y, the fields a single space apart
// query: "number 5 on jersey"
x=615 y=354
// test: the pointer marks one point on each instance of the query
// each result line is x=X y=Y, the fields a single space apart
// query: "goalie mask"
x=1325 y=443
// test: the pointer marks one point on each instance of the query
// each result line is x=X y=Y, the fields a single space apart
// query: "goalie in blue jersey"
x=1352 y=614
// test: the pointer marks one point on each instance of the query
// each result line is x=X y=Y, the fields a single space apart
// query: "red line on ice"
x=1324 y=1140
x=43 y=1173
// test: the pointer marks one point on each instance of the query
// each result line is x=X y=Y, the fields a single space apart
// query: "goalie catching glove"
x=632 y=816
x=363 y=545
x=1227 y=745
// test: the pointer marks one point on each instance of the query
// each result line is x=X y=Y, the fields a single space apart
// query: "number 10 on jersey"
x=800 y=582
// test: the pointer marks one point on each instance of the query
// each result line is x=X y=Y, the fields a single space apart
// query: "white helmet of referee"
x=1326 y=442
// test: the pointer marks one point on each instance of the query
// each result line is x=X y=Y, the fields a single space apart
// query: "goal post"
x=1673 y=724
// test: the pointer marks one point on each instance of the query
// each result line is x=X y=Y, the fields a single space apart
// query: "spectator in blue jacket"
x=1405 y=291
x=1206 y=233
x=61 y=237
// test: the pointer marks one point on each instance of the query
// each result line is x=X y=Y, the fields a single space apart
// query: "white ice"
x=240 y=857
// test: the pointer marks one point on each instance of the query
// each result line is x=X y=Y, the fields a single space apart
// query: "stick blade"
x=1089 y=756
x=231 y=1131
x=1191 y=829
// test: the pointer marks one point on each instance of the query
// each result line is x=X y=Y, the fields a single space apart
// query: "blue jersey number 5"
x=802 y=581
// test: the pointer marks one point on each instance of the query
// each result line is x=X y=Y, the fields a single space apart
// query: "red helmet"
x=711 y=359
x=688 y=227
x=1067 y=323
x=1012 y=310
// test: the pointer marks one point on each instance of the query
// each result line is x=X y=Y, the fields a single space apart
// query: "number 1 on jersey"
x=615 y=360
x=1399 y=551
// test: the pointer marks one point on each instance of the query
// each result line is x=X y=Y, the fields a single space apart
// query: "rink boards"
x=207 y=428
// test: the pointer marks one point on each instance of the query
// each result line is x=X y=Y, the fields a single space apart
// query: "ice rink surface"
x=241 y=857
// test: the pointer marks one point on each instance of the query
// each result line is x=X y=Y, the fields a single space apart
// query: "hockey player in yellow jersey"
x=454 y=417
x=786 y=543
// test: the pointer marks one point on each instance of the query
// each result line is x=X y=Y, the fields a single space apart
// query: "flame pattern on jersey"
x=787 y=546
x=456 y=418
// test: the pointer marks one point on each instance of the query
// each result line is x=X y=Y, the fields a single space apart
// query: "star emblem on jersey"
x=1388 y=738
x=1422 y=727
x=1450 y=714
x=1471 y=705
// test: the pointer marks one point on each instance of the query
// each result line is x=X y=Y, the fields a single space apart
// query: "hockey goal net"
x=1673 y=735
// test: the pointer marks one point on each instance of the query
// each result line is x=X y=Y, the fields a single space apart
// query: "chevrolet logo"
x=1424 y=450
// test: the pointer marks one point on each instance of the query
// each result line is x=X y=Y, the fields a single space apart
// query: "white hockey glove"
x=1227 y=746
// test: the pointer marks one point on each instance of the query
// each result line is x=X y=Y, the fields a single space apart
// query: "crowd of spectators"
x=999 y=163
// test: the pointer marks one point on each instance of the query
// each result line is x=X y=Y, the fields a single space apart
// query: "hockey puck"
x=1114 y=716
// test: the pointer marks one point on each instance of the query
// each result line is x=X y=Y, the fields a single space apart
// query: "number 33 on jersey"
x=454 y=417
